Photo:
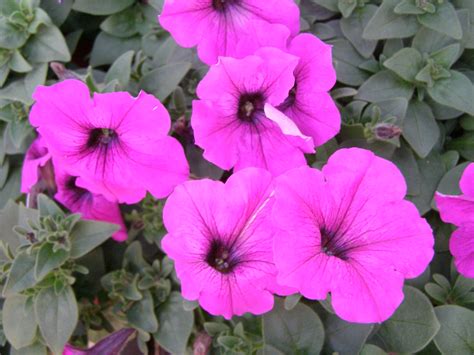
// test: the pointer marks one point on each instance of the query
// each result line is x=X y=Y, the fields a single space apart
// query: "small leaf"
x=57 y=316
x=443 y=20
x=456 y=92
x=343 y=337
x=420 y=128
x=11 y=37
x=408 y=7
x=406 y=63
x=353 y=27
x=292 y=301
x=176 y=325
x=387 y=24
x=164 y=80
x=47 y=207
x=18 y=321
x=142 y=314
x=21 y=275
x=108 y=48
x=412 y=326
x=102 y=7
x=346 y=62
x=346 y=7
x=88 y=235
x=47 y=45
x=18 y=63
x=297 y=331
x=464 y=145
x=447 y=56
x=383 y=86
x=47 y=260
x=121 y=69
x=456 y=335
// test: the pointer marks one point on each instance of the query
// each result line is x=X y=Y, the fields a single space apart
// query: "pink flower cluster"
x=105 y=150
x=276 y=226
x=459 y=210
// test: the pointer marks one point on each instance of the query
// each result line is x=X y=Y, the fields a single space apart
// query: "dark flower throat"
x=101 y=137
x=220 y=257
x=250 y=106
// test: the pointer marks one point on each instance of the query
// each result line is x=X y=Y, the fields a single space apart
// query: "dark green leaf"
x=176 y=325
x=142 y=315
x=383 y=86
x=447 y=56
x=406 y=63
x=124 y=24
x=449 y=184
x=164 y=80
x=88 y=235
x=35 y=349
x=456 y=335
x=57 y=316
x=18 y=317
x=411 y=327
x=121 y=69
x=47 y=207
x=102 y=7
x=456 y=92
x=346 y=7
x=108 y=48
x=444 y=20
x=464 y=145
x=296 y=331
x=346 y=62
x=343 y=337
x=47 y=260
x=353 y=26
x=18 y=63
x=370 y=349
x=47 y=45
x=57 y=13
x=404 y=159
x=387 y=24
x=420 y=128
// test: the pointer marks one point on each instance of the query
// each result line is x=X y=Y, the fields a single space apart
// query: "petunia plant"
x=236 y=177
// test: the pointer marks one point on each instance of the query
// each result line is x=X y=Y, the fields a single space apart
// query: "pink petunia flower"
x=308 y=104
x=36 y=157
x=217 y=26
x=91 y=206
x=236 y=122
x=220 y=237
x=116 y=144
x=344 y=230
x=459 y=210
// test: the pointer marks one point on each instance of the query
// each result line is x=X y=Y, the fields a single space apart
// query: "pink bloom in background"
x=116 y=144
x=36 y=157
x=344 y=230
x=220 y=237
x=217 y=26
x=235 y=120
x=91 y=206
x=459 y=210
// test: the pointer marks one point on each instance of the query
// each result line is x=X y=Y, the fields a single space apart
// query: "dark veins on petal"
x=333 y=245
x=75 y=193
x=290 y=100
x=222 y=5
x=220 y=257
x=250 y=106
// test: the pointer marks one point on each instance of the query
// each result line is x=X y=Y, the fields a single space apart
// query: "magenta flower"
x=344 y=230
x=309 y=104
x=235 y=121
x=216 y=26
x=220 y=237
x=459 y=210
x=116 y=144
x=91 y=206
x=36 y=157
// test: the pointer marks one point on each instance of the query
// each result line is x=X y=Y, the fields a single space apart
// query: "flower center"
x=221 y=5
x=250 y=105
x=219 y=257
x=331 y=244
x=101 y=136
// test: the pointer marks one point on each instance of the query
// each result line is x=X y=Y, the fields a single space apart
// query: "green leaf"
x=35 y=349
x=121 y=69
x=447 y=56
x=102 y=7
x=47 y=45
x=18 y=63
x=124 y=24
x=405 y=160
x=11 y=37
x=18 y=317
x=87 y=235
x=21 y=275
x=176 y=325
x=387 y=24
x=346 y=7
x=456 y=92
x=47 y=260
x=370 y=349
x=343 y=337
x=467 y=122
x=291 y=301
x=456 y=335
x=353 y=27
x=406 y=63
x=449 y=184
x=412 y=326
x=142 y=316
x=464 y=145
x=429 y=41
x=108 y=48
x=331 y=5
x=383 y=86
x=444 y=20
x=22 y=89
x=408 y=7
x=296 y=331
x=164 y=80
x=57 y=13
x=346 y=62
x=48 y=207
x=420 y=128
x=57 y=316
